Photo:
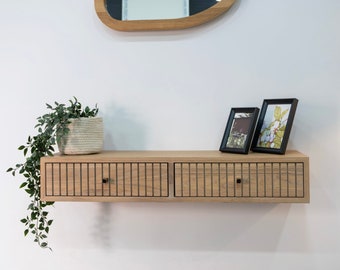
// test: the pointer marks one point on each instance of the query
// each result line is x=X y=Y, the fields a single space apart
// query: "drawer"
x=244 y=179
x=126 y=179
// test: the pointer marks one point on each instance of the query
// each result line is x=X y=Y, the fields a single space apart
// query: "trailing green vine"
x=51 y=127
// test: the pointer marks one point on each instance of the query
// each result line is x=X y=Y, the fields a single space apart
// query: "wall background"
x=174 y=90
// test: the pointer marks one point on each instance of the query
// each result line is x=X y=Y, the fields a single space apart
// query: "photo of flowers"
x=239 y=130
x=274 y=125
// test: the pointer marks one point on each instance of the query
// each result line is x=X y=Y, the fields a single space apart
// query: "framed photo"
x=274 y=125
x=239 y=130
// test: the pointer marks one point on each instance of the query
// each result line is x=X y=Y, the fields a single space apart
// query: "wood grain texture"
x=168 y=24
x=176 y=176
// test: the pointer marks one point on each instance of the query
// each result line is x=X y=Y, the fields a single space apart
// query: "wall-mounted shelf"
x=173 y=176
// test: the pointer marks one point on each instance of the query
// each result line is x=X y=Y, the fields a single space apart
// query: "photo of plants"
x=239 y=131
x=274 y=126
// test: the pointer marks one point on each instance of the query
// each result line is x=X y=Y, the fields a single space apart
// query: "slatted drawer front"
x=107 y=179
x=239 y=180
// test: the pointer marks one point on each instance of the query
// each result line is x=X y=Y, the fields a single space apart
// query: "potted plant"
x=58 y=127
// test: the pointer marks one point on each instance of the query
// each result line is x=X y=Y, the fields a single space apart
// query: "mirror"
x=148 y=9
x=143 y=15
x=156 y=9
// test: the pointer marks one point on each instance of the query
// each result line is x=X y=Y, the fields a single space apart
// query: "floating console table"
x=174 y=176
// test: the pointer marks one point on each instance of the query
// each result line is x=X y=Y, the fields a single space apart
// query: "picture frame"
x=274 y=125
x=239 y=130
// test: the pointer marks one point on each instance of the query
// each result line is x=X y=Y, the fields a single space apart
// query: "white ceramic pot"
x=86 y=136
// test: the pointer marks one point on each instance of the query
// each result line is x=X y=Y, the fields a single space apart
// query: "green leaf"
x=26 y=232
x=280 y=134
x=21 y=147
x=29 y=191
x=277 y=142
x=24 y=220
x=282 y=128
x=284 y=113
x=24 y=184
x=277 y=113
x=33 y=216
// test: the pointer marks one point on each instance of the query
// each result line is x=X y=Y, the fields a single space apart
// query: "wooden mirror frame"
x=162 y=24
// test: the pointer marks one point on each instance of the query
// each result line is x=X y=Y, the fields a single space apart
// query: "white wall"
x=174 y=90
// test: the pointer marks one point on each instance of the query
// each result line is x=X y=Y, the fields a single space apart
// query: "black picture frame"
x=239 y=131
x=274 y=125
